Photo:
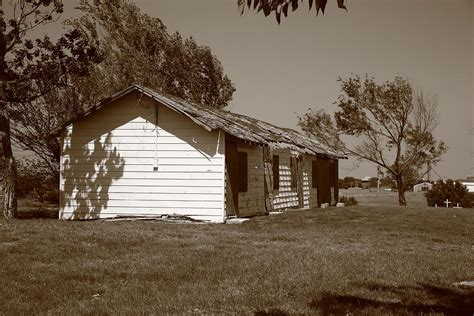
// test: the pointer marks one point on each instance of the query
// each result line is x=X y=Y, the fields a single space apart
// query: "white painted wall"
x=468 y=185
x=108 y=160
x=422 y=186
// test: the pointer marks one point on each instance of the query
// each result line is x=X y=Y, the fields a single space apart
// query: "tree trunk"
x=9 y=168
x=401 y=198
x=401 y=192
x=9 y=188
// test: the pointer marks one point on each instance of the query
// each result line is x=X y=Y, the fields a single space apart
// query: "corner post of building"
x=268 y=175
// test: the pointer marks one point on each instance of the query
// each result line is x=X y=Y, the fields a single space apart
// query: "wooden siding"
x=119 y=162
x=285 y=197
x=311 y=194
x=269 y=161
x=252 y=202
x=335 y=181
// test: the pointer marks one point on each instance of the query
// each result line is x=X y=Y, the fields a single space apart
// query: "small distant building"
x=422 y=187
x=468 y=183
x=365 y=182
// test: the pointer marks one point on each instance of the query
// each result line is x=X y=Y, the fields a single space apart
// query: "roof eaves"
x=238 y=125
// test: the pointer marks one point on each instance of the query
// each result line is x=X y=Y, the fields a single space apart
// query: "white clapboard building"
x=142 y=153
x=422 y=187
x=468 y=183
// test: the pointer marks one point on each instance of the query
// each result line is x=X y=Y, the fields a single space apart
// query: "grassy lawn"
x=370 y=197
x=363 y=260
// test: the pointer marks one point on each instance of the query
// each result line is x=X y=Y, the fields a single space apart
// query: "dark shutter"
x=314 y=174
x=276 y=172
x=243 y=172
x=323 y=179
x=293 y=172
x=232 y=178
x=336 y=177
x=332 y=174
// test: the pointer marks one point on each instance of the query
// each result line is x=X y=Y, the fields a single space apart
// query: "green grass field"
x=375 y=258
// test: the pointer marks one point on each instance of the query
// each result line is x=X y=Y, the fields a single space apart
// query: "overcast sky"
x=282 y=70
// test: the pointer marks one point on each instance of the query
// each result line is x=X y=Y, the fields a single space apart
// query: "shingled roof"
x=238 y=125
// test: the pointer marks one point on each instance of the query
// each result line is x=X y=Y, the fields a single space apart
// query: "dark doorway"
x=232 y=178
x=335 y=179
x=324 y=180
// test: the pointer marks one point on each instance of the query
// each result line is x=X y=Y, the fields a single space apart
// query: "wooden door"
x=335 y=175
x=324 y=178
x=268 y=177
x=232 y=178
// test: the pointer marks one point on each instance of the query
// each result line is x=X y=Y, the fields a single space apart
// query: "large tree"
x=139 y=49
x=34 y=120
x=389 y=124
x=136 y=48
x=280 y=7
x=30 y=69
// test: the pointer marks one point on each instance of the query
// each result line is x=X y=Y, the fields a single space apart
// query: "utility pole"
x=379 y=173
x=429 y=171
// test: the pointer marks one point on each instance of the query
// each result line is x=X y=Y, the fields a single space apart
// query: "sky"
x=280 y=71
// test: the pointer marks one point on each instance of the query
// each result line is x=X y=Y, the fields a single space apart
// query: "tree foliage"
x=280 y=7
x=34 y=121
x=36 y=182
x=138 y=49
x=135 y=48
x=348 y=201
x=389 y=124
x=30 y=69
x=450 y=190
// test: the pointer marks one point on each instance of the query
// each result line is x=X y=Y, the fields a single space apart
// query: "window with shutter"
x=293 y=173
x=243 y=171
x=314 y=174
x=276 y=172
x=332 y=174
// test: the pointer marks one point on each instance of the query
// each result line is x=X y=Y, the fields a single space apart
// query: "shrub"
x=454 y=191
x=468 y=200
x=348 y=201
x=36 y=182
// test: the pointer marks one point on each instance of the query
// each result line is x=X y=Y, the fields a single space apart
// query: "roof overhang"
x=240 y=126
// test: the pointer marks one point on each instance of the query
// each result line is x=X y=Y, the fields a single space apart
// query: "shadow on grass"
x=411 y=300
x=47 y=213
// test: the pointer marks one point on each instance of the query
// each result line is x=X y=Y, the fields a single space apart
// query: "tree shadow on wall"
x=403 y=300
x=88 y=175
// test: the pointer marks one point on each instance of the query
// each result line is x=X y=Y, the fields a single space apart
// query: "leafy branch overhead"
x=30 y=68
x=283 y=6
